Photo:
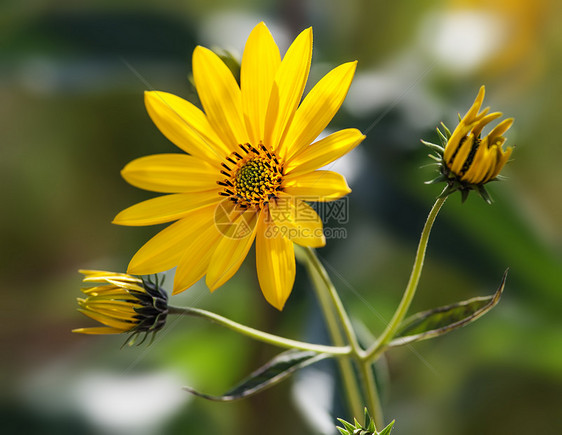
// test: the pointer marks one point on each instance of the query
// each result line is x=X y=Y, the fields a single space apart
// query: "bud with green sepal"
x=466 y=160
x=123 y=304
x=368 y=428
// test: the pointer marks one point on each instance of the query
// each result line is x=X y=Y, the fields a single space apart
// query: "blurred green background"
x=72 y=115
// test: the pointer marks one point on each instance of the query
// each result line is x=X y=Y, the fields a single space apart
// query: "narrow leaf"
x=369 y=422
x=439 y=321
x=276 y=370
x=438 y=159
x=348 y=426
x=439 y=179
x=447 y=131
x=444 y=139
x=433 y=146
x=386 y=430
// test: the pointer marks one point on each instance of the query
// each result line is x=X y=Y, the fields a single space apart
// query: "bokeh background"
x=72 y=115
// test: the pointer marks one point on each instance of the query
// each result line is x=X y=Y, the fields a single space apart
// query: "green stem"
x=260 y=335
x=334 y=322
x=366 y=371
x=378 y=347
x=344 y=319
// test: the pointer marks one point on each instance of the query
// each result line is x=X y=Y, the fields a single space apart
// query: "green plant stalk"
x=371 y=392
x=379 y=346
x=334 y=322
x=260 y=335
x=336 y=302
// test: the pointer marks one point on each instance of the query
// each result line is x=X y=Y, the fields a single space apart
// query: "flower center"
x=253 y=176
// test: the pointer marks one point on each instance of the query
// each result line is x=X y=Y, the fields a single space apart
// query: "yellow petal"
x=109 y=310
x=324 y=151
x=275 y=262
x=104 y=290
x=492 y=165
x=473 y=111
x=166 y=208
x=98 y=330
x=108 y=320
x=461 y=155
x=479 y=164
x=171 y=173
x=232 y=249
x=317 y=186
x=318 y=109
x=454 y=142
x=220 y=96
x=479 y=126
x=119 y=306
x=469 y=121
x=165 y=250
x=126 y=286
x=185 y=125
x=102 y=275
x=297 y=221
x=288 y=87
x=260 y=63
x=105 y=295
x=195 y=260
x=499 y=129
x=503 y=158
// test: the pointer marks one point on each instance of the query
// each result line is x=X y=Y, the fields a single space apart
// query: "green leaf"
x=440 y=150
x=367 y=429
x=348 y=426
x=369 y=422
x=386 y=430
x=276 y=370
x=439 y=321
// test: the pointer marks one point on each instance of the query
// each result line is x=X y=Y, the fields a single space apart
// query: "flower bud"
x=123 y=303
x=467 y=160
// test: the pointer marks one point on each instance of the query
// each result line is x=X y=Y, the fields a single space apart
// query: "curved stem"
x=344 y=319
x=260 y=335
x=378 y=347
x=322 y=285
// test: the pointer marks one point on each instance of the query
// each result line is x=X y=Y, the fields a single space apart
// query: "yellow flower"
x=468 y=161
x=123 y=303
x=250 y=166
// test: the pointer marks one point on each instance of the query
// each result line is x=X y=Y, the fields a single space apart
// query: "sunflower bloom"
x=250 y=168
x=467 y=161
x=123 y=303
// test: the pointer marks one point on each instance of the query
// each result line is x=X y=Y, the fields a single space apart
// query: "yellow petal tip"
x=199 y=50
x=119 y=220
x=279 y=305
x=132 y=269
x=213 y=285
x=308 y=33
x=176 y=291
